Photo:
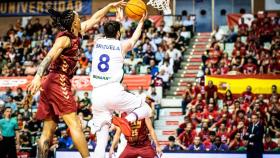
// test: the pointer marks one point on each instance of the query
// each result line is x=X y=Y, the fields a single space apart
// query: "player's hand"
x=118 y=4
x=144 y=17
x=159 y=151
x=1 y=137
x=111 y=153
x=34 y=86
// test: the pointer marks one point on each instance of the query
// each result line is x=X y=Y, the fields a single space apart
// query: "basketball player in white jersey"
x=108 y=94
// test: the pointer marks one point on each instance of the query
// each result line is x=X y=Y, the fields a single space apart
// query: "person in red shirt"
x=225 y=120
x=248 y=95
x=274 y=66
x=236 y=142
x=183 y=125
x=250 y=68
x=204 y=133
x=238 y=43
x=228 y=99
x=210 y=140
x=187 y=98
x=269 y=145
x=195 y=115
x=223 y=132
x=210 y=113
x=242 y=28
x=210 y=91
x=240 y=116
x=186 y=138
x=197 y=101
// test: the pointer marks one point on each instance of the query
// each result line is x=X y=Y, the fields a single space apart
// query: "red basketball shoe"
x=123 y=124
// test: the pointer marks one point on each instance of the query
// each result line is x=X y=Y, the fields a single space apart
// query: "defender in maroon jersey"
x=56 y=97
x=138 y=144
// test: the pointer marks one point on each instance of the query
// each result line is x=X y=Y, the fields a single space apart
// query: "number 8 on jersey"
x=103 y=65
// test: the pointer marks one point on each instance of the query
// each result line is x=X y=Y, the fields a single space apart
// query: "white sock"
x=101 y=142
x=141 y=112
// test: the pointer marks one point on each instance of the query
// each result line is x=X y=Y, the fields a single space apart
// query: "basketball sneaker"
x=123 y=124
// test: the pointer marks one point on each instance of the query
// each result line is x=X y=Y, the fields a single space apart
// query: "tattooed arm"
x=60 y=44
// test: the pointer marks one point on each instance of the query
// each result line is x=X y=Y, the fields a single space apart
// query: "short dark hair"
x=212 y=133
x=8 y=107
x=171 y=138
x=111 y=29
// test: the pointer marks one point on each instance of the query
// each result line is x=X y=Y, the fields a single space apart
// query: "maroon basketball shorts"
x=56 y=97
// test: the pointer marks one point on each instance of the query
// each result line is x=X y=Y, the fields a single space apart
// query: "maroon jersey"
x=56 y=96
x=139 y=134
x=66 y=63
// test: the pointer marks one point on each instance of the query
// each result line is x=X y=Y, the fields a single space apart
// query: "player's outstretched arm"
x=115 y=141
x=60 y=44
x=153 y=135
x=95 y=18
x=128 y=45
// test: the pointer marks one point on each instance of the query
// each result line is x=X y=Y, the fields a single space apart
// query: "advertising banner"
x=40 y=7
x=80 y=83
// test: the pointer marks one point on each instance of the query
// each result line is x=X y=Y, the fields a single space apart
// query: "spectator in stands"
x=36 y=26
x=242 y=28
x=231 y=36
x=187 y=98
x=155 y=98
x=218 y=34
x=197 y=145
x=85 y=109
x=248 y=95
x=250 y=68
x=208 y=143
x=211 y=91
x=10 y=103
x=183 y=125
x=19 y=96
x=236 y=142
x=228 y=99
x=65 y=142
x=269 y=144
x=86 y=100
x=54 y=146
x=34 y=127
x=204 y=133
x=90 y=142
x=153 y=69
x=188 y=23
x=274 y=126
x=171 y=146
x=218 y=145
x=176 y=56
x=186 y=137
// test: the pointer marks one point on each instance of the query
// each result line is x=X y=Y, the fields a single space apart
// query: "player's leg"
x=128 y=152
x=134 y=106
x=77 y=134
x=101 y=141
x=147 y=152
x=46 y=138
x=140 y=113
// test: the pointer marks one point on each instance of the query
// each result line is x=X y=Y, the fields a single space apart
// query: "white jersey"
x=107 y=62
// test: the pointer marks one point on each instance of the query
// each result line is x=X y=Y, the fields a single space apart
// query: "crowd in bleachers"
x=22 y=48
x=251 y=50
x=215 y=122
x=226 y=119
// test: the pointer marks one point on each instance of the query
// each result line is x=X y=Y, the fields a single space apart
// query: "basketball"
x=135 y=9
